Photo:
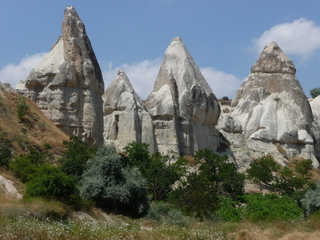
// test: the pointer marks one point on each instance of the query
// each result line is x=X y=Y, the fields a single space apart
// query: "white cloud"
x=13 y=73
x=301 y=38
x=222 y=84
x=142 y=75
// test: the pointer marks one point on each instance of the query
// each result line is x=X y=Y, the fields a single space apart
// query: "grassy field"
x=38 y=219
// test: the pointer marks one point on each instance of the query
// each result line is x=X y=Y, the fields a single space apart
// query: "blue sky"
x=224 y=38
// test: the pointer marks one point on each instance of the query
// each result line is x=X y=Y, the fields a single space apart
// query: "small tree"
x=75 y=157
x=315 y=92
x=198 y=193
x=160 y=170
x=114 y=189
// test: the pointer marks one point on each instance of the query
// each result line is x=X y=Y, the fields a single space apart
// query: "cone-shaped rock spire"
x=67 y=84
x=182 y=104
x=126 y=118
x=272 y=106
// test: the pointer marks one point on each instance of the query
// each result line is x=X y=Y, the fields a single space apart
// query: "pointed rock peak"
x=273 y=60
x=177 y=39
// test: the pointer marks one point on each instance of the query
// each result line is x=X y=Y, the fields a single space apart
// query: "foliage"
x=166 y=213
x=267 y=172
x=5 y=149
x=22 y=108
x=75 y=157
x=25 y=165
x=160 y=171
x=104 y=181
x=50 y=182
x=311 y=200
x=271 y=207
x=198 y=193
x=229 y=210
x=261 y=170
x=315 y=92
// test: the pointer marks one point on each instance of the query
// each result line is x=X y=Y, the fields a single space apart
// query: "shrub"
x=271 y=207
x=5 y=149
x=267 y=172
x=22 y=108
x=114 y=189
x=49 y=182
x=75 y=157
x=25 y=165
x=198 y=193
x=315 y=92
x=167 y=214
x=160 y=171
x=229 y=210
x=311 y=200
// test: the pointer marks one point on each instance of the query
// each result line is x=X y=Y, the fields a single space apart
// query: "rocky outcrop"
x=126 y=118
x=315 y=106
x=183 y=107
x=67 y=84
x=272 y=107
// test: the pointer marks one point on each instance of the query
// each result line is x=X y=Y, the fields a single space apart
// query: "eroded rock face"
x=272 y=107
x=126 y=118
x=67 y=84
x=182 y=104
x=315 y=106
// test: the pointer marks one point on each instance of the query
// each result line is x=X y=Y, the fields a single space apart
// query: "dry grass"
x=35 y=131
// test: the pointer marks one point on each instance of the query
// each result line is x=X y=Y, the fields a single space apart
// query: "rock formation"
x=273 y=109
x=67 y=84
x=183 y=107
x=126 y=118
x=315 y=106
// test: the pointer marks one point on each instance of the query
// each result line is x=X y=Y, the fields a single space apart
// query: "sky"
x=225 y=38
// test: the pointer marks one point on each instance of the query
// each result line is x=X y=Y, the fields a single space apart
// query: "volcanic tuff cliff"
x=67 y=84
x=182 y=105
x=273 y=109
x=126 y=118
x=270 y=114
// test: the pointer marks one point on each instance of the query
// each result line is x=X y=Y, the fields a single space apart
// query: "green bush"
x=5 y=149
x=315 y=92
x=50 y=182
x=229 y=210
x=25 y=165
x=267 y=172
x=114 y=189
x=75 y=157
x=271 y=207
x=198 y=193
x=22 y=108
x=311 y=200
x=160 y=171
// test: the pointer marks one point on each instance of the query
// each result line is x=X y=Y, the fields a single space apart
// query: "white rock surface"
x=315 y=106
x=126 y=118
x=67 y=84
x=182 y=104
x=8 y=188
x=272 y=107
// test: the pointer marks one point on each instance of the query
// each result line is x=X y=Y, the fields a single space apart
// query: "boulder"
x=272 y=107
x=182 y=105
x=126 y=118
x=67 y=84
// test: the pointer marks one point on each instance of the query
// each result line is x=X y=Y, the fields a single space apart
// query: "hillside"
x=32 y=130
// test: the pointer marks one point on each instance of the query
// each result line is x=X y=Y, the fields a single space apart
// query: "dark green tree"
x=315 y=92
x=51 y=183
x=161 y=171
x=198 y=193
x=75 y=157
